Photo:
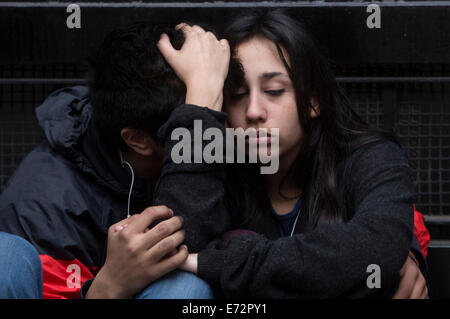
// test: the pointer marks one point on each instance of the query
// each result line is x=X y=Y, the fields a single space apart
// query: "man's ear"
x=315 y=109
x=138 y=140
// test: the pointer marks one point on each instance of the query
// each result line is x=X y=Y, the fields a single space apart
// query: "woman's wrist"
x=205 y=96
x=191 y=264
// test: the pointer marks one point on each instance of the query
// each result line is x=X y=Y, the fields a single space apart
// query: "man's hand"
x=201 y=63
x=412 y=283
x=136 y=255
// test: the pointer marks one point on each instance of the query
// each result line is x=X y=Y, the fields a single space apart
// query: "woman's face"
x=267 y=98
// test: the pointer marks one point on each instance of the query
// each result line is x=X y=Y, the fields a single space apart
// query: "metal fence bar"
x=221 y=4
x=357 y=80
x=42 y=81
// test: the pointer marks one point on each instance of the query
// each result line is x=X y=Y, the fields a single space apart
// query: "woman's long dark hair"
x=332 y=136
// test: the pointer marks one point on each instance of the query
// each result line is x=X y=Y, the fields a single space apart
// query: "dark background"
x=398 y=76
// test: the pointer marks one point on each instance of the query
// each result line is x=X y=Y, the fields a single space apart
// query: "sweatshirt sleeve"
x=193 y=186
x=333 y=260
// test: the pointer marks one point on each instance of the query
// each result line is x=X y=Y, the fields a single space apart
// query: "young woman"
x=336 y=220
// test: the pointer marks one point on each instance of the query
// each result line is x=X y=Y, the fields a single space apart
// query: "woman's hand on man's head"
x=201 y=63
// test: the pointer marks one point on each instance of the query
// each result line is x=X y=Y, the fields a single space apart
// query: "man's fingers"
x=120 y=227
x=122 y=224
x=173 y=262
x=166 y=245
x=146 y=218
x=172 y=253
x=166 y=48
x=162 y=231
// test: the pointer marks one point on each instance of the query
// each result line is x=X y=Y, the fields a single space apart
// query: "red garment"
x=421 y=232
x=63 y=278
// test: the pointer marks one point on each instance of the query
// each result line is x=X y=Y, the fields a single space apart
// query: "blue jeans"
x=21 y=276
x=177 y=285
x=20 y=269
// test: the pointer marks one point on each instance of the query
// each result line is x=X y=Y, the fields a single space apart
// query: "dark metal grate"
x=424 y=128
x=366 y=99
x=42 y=71
x=422 y=123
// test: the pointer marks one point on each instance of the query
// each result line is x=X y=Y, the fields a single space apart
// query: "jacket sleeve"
x=333 y=260
x=193 y=186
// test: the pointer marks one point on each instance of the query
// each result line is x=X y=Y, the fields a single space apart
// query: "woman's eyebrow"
x=270 y=75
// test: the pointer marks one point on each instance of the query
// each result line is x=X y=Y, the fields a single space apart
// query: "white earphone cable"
x=295 y=223
x=132 y=181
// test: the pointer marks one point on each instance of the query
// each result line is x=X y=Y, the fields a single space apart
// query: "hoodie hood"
x=64 y=116
x=66 y=120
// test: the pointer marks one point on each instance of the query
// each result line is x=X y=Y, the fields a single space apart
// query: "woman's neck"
x=282 y=188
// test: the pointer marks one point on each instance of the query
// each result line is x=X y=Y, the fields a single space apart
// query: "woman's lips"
x=264 y=138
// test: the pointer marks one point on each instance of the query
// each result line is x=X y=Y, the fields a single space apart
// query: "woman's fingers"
x=166 y=48
x=187 y=29
x=224 y=42
x=424 y=293
x=420 y=289
x=181 y=26
x=412 y=283
x=408 y=280
x=201 y=63
x=198 y=29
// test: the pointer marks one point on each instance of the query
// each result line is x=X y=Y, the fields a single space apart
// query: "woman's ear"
x=315 y=109
x=138 y=140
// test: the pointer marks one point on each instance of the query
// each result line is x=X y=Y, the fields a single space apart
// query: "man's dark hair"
x=130 y=83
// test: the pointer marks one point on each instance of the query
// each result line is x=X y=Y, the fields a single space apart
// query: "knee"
x=178 y=285
x=18 y=251
x=199 y=288
x=20 y=268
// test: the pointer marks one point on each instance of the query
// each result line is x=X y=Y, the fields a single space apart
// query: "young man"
x=108 y=155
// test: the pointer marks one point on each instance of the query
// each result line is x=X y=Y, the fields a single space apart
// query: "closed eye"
x=239 y=95
x=274 y=92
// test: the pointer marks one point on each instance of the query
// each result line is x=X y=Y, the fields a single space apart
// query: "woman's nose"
x=255 y=110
